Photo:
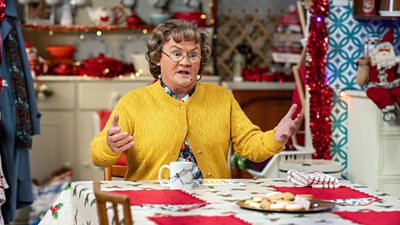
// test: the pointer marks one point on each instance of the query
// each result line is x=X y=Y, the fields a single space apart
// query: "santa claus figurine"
x=37 y=64
x=381 y=69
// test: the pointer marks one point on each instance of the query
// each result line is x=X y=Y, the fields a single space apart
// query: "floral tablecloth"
x=76 y=204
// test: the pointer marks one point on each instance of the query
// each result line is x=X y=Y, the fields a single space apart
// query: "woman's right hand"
x=118 y=141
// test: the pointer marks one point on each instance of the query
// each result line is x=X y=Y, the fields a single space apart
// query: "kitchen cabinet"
x=358 y=13
x=373 y=146
x=265 y=103
x=68 y=121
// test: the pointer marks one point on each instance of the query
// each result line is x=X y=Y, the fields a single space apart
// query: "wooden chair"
x=117 y=170
x=120 y=167
x=102 y=197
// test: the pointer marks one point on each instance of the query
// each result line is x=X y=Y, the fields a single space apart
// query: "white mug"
x=181 y=175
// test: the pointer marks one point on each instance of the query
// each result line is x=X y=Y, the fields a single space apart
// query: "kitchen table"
x=76 y=204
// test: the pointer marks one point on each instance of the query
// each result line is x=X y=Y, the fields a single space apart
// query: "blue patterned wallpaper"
x=346 y=45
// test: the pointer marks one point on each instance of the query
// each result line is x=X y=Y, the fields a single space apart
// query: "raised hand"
x=118 y=141
x=287 y=126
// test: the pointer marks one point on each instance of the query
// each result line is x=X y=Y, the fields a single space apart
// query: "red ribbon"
x=2 y=9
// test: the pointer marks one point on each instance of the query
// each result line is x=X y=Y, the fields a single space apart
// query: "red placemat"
x=372 y=218
x=160 y=197
x=342 y=192
x=198 y=220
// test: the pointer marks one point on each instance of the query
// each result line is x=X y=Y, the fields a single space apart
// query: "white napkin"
x=314 y=179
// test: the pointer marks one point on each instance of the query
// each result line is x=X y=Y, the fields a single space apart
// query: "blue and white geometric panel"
x=346 y=45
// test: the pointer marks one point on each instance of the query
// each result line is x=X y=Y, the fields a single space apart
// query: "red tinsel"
x=257 y=74
x=260 y=74
x=320 y=93
x=2 y=8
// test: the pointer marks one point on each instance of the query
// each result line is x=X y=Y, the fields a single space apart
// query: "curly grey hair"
x=178 y=30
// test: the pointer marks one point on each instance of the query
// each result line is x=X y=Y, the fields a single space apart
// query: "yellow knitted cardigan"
x=209 y=120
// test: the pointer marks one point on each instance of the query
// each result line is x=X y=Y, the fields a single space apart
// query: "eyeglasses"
x=177 y=56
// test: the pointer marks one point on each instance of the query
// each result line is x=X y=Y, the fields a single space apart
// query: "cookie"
x=277 y=206
x=281 y=196
x=265 y=204
x=280 y=201
x=255 y=205
x=257 y=199
x=247 y=202
x=306 y=196
x=303 y=202
x=293 y=207
x=288 y=196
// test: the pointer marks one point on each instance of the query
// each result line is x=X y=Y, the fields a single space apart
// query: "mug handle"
x=159 y=175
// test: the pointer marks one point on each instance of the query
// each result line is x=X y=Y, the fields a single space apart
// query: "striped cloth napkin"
x=315 y=179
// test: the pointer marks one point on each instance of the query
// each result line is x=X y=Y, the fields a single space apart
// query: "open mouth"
x=183 y=72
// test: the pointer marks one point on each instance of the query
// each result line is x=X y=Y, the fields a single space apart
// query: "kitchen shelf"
x=91 y=28
x=359 y=15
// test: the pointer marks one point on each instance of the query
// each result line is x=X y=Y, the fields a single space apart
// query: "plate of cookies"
x=286 y=202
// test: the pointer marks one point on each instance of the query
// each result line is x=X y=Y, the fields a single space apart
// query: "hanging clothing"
x=3 y=186
x=16 y=139
x=23 y=129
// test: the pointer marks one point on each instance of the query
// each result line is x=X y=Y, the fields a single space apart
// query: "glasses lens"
x=193 y=57
x=176 y=56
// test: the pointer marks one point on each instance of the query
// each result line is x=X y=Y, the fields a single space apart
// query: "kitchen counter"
x=252 y=85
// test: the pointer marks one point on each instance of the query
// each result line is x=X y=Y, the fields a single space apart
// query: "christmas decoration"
x=2 y=8
x=380 y=69
x=320 y=93
x=286 y=46
x=42 y=91
x=104 y=67
x=37 y=64
x=257 y=74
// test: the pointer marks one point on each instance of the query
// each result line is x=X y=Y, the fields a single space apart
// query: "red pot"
x=198 y=17
x=60 y=51
x=102 y=66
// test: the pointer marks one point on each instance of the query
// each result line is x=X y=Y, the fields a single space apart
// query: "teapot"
x=106 y=15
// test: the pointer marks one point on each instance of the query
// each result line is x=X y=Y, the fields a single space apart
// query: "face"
x=180 y=76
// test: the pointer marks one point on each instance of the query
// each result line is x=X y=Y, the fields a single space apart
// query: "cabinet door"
x=103 y=95
x=391 y=186
x=86 y=131
x=264 y=108
x=54 y=147
x=95 y=96
x=363 y=141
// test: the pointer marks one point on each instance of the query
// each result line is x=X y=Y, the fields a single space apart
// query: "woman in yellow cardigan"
x=178 y=118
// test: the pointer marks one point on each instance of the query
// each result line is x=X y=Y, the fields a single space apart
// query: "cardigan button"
x=209 y=174
x=182 y=107
x=199 y=151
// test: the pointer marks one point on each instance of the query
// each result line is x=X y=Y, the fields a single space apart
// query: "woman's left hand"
x=287 y=126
